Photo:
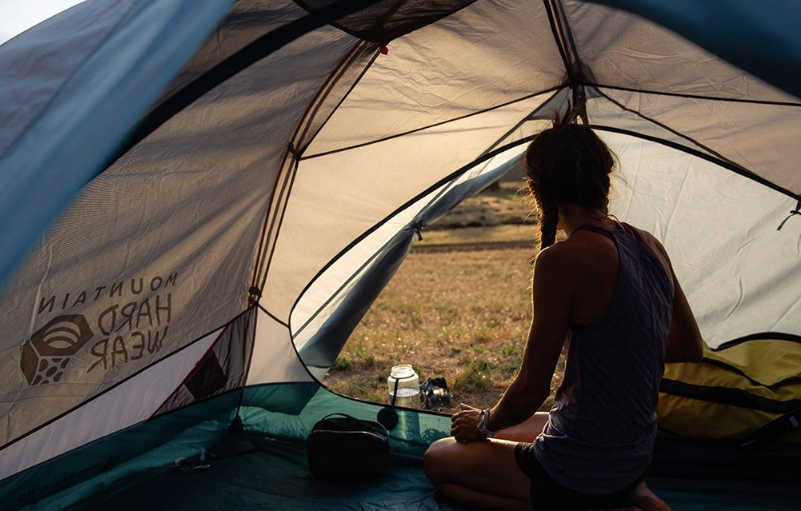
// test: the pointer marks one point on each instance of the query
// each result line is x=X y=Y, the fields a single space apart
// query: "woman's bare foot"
x=631 y=508
x=643 y=498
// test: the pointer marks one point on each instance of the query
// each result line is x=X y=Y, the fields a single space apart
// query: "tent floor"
x=275 y=476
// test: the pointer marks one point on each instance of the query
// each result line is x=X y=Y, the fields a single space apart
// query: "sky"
x=18 y=15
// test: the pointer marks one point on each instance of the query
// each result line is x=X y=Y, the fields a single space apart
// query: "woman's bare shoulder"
x=566 y=258
x=559 y=253
x=656 y=247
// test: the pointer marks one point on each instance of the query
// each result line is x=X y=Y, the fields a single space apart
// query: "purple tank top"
x=601 y=430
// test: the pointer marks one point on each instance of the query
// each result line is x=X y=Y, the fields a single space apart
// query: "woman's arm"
x=553 y=285
x=684 y=343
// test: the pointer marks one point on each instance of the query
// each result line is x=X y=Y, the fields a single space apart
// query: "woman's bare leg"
x=478 y=500
x=642 y=497
x=526 y=431
x=478 y=474
x=484 y=474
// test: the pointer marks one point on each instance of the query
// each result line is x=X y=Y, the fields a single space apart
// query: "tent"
x=201 y=199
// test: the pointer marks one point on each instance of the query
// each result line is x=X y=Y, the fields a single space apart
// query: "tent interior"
x=200 y=201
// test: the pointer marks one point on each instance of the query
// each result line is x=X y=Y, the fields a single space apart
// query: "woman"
x=608 y=297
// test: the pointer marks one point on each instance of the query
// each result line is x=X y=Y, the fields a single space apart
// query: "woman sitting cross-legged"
x=608 y=297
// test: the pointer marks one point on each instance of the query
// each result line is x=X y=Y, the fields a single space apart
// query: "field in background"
x=459 y=306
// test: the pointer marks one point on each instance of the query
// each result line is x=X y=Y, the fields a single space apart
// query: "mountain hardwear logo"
x=47 y=353
x=129 y=321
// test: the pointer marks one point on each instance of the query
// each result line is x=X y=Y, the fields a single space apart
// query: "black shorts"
x=548 y=494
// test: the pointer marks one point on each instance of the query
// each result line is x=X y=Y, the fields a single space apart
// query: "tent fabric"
x=253 y=479
x=276 y=475
x=524 y=61
x=281 y=415
x=274 y=358
x=79 y=83
x=317 y=191
x=748 y=148
x=97 y=465
x=164 y=202
x=696 y=201
x=738 y=32
x=244 y=196
x=125 y=405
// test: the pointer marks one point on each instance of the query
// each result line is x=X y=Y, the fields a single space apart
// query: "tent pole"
x=577 y=71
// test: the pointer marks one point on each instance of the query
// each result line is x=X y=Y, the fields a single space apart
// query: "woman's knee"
x=436 y=459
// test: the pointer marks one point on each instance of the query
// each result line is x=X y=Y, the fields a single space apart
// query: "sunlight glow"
x=16 y=16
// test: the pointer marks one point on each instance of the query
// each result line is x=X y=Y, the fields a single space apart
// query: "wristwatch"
x=483 y=419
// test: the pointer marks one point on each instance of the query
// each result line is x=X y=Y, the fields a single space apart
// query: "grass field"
x=505 y=205
x=491 y=234
x=463 y=315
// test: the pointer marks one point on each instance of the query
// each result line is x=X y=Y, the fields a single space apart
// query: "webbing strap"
x=773 y=431
x=796 y=211
x=395 y=392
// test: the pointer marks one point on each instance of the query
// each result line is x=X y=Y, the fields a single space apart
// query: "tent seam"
x=700 y=154
x=288 y=185
x=295 y=349
x=558 y=41
x=350 y=59
x=523 y=121
x=762 y=336
x=339 y=104
x=672 y=130
x=693 y=96
x=711 y=154
x=263 y=261
x=231 y=66
x=435 y=125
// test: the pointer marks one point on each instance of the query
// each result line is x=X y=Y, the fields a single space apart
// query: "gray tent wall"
x=151 y=272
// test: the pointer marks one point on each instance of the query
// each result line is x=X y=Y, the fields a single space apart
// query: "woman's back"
x=601 y=429
x=612 y=290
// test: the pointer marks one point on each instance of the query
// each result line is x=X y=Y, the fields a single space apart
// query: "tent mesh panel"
x=389 y=19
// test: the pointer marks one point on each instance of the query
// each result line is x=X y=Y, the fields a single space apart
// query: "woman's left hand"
x=464 y=425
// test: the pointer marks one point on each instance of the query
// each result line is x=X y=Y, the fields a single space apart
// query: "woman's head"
x=567 y=164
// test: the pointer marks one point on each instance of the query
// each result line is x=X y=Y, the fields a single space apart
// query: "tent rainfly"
x=200 y=200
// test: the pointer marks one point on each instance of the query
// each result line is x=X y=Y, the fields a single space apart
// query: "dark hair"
x=567 y=164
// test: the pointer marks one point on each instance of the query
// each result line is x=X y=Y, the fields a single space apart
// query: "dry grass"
x=462 y=315
x=506 y=205
x=494 y=234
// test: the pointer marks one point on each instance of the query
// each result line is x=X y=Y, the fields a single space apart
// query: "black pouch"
x=435 y=394
x=344 y=448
